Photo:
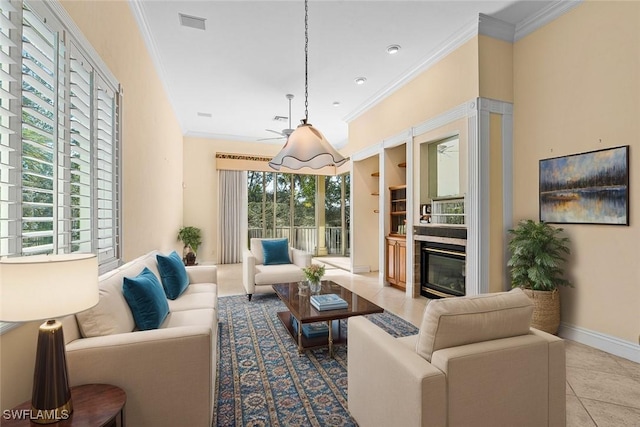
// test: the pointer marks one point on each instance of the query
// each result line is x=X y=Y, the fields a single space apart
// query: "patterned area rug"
x=261 y=379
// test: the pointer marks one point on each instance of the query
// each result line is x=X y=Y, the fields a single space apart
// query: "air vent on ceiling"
x=192 y=21
x=280 y=118
x=204 y=114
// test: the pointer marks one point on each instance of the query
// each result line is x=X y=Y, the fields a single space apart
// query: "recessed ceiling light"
x=360 y=80
x=393 y=49
x=336 y=103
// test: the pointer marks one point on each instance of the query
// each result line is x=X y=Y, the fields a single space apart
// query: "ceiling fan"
x=285 y=132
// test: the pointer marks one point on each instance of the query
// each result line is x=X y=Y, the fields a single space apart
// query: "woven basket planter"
x=546 y=310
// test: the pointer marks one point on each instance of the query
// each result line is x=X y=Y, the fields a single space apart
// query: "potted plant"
x=191 y=237
x=538 y=253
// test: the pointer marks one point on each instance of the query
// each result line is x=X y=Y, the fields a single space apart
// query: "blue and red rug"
x=262 y=381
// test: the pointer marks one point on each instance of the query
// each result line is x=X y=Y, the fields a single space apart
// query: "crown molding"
x=496 y=28
x=543 y=17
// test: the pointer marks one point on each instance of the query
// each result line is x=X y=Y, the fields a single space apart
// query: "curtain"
x=232 y=226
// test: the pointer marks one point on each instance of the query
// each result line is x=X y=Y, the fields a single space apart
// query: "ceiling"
x=229 y=81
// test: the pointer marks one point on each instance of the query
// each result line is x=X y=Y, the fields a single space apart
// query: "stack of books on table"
x=328 y=302
x=311 y=330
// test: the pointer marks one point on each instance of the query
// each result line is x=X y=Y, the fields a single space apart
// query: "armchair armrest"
x=301 y=258
x=202 y=273
x=248 y=271
x=389 y=383
x=166 y=373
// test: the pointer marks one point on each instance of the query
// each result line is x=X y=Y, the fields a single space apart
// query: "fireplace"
x=442 y=269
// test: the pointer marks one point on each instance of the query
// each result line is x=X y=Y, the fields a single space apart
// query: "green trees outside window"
x=284 y=205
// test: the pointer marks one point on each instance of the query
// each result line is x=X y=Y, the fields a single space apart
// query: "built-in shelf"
x=402 y=165
x=376 y=211
x=375 y=194
x=376 y=174
x=399 y=213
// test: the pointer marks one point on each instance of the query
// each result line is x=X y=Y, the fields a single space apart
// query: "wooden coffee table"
x=300 y=308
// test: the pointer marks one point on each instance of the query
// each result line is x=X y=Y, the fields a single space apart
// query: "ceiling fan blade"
x=274 y=131
x=269 y=139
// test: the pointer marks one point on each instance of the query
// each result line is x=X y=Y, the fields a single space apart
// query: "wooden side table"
x=94 y=405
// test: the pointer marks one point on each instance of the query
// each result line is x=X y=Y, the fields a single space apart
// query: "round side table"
x=94 y=405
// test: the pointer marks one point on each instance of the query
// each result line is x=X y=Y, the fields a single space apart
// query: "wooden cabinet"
x=398 y=211
x=396 y=274
x=396 y=243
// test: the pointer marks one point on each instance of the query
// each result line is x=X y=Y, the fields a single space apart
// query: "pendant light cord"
x=306 y=61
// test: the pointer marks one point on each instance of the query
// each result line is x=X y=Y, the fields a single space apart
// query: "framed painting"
x=586 y=188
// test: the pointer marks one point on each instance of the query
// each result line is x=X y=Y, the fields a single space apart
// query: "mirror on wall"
x=444 y=167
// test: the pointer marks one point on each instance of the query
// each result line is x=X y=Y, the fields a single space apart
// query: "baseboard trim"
x=361 y=269
x=603 y=342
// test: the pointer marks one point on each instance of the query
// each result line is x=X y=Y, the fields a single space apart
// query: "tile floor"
x=603 y=390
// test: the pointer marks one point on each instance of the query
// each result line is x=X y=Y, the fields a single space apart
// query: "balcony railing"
x=304 y=238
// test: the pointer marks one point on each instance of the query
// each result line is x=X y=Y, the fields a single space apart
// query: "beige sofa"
x=255 y=273
x=168 y=373
x=475 y=362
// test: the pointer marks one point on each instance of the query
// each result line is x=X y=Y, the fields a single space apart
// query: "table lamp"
x=45 y=287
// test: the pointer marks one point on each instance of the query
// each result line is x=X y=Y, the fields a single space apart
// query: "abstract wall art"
x=586 y=188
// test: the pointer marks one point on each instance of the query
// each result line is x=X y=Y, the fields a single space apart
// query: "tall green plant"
x=190 y=236
x=537 y=256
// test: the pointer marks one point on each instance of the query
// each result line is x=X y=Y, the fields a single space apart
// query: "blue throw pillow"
x=276 y=251
x=173 y=274
x=146 y=299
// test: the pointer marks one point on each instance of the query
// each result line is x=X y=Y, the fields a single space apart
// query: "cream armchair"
x=256 y=273
x=475 y=362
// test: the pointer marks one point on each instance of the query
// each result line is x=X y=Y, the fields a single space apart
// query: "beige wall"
x=201 y=185
x=577 y=89
x=17 y=360
x=365 y=207
x=151 y=139
x=495 y=68
x=496 y=228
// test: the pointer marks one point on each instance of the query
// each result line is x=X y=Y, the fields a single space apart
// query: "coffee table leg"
x=330 y=324
x=300 y=350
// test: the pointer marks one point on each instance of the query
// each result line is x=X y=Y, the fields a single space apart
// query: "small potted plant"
x=537 y=260
x=191 y=237
x=314 y=274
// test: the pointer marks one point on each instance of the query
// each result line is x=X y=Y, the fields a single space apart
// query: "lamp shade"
x=47 y=286
x=307 y=147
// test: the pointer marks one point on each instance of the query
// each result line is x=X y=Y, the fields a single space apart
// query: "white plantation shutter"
x=106 y=172
x=59 y=138
x=39 y=135
x=9 y=107
x=81 y=158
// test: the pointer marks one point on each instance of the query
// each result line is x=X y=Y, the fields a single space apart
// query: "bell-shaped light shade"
x=307 y=147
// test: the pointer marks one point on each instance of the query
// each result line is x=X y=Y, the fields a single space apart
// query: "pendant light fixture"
x=306 y=146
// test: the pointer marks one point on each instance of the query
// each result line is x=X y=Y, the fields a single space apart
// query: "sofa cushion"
x=112 y=314
x=276 y=252
x=147 y=300
x=173 y=274
x=451 y=322
x=283 y=273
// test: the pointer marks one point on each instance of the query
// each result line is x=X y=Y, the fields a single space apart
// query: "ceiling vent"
x=204 y=114
x=191 y=21
x=280 y=118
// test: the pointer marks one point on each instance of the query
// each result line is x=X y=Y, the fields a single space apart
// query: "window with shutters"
x=59 y=138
